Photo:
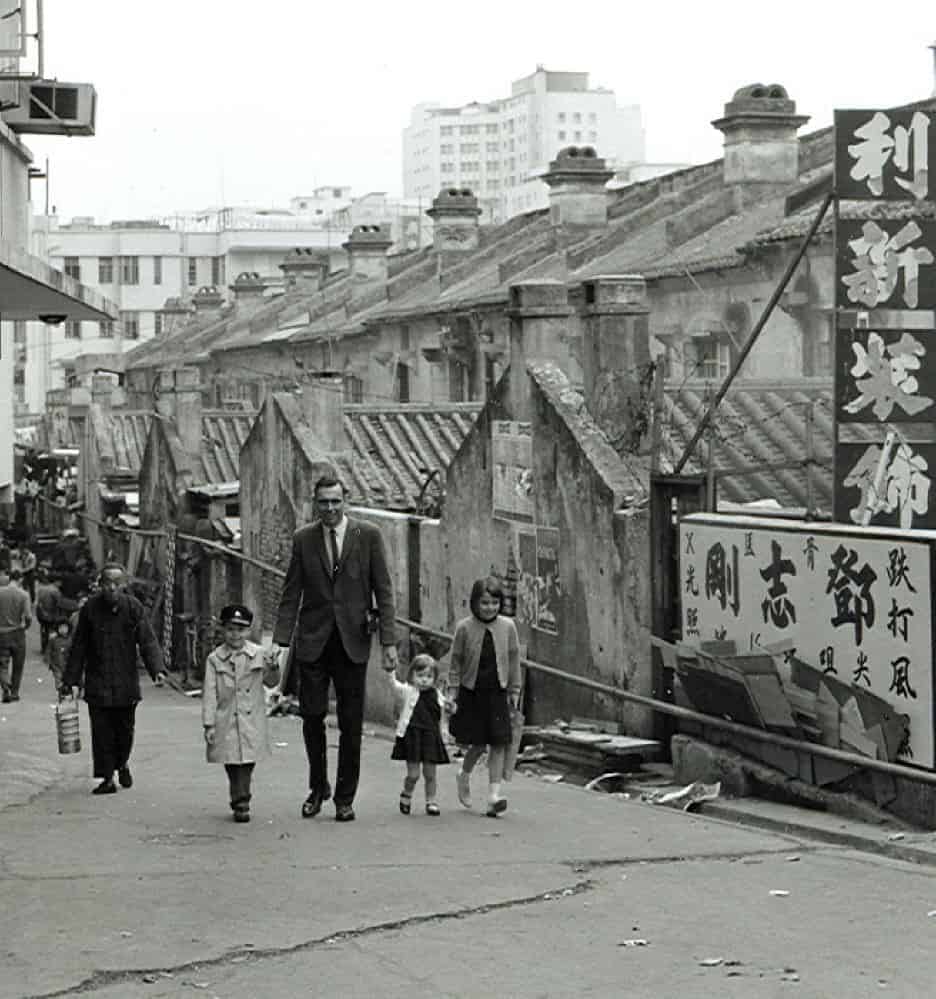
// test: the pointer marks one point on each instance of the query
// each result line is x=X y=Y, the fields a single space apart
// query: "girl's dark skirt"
x=420 y=745
x=482 y=717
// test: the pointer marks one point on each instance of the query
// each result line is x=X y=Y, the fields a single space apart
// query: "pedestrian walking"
x=29 y=563
x=57 y=651
x=337 y=571
x=15 y=618
x=484 y=678
x=110 y=632
x=47 y=606
x=419 y=742
x=233 y=705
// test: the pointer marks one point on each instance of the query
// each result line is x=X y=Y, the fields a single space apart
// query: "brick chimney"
x=175 y=315
x=760 y=126
x=323 y=410
x=179 y=400
x=454 y=215
x=207 y=299
x=540 y=316
x=576 y=182
x=304 y=269
x=367 y=257
x=616 y=355
x=102 y=390
x=248 y=287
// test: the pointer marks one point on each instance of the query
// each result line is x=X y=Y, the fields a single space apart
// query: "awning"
x=31 y=289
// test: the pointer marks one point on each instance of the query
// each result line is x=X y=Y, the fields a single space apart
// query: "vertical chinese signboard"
x=885 y=297
x=855 y=604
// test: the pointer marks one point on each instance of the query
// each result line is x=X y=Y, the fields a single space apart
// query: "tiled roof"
x=758 y=424
x=223 y=434
x=797 y=225
x=122 y=433
x=394 y=449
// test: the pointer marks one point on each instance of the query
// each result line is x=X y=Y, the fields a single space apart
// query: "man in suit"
x=337 y=571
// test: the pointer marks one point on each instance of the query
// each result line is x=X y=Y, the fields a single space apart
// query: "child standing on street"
x=485 y=679
x=233 y=707
x=57 y=651
x=419 y=730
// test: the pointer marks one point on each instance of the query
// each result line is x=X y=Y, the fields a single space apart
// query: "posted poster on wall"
x=854 y=602
x=526 y=579
x=512 y=473
x=548 y=592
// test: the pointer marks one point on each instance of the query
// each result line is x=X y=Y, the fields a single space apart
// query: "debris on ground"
x=779 y=892
x=687 y=797
x=634 y=942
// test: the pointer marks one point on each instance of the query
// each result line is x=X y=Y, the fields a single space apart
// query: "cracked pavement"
x=156 y=892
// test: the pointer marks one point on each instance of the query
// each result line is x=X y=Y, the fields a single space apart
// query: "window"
x=446 y=130
x=157 y=323
x=577 y=118
x=592 y=117
x=561 y=117
x=353 y=389
x=456 y=378
x=562 y=136
x=492 y=166
x=469 y=148
x=192 y=271
x=447 y=168
x=217 y=271
x=106 y=328
x=130 y=323
x=19 y=331
x=446 y=149
x=713 y=356
x=578 y=136
x=73 y=329
x=402 y=383
x=469 y=130
x=592 y=136
x=105 y=270
x=129 y=270
x=404 y=338
x=73 y=268
x=492 y=147
x=490 y=129
x=336 y=192
x=157 y=270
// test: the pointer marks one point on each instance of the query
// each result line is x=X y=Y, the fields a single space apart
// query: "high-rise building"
x=500 y=148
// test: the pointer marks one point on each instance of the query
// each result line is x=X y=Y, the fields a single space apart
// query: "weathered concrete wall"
x=603 y=611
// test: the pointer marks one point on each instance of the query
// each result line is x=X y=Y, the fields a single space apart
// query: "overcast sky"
x=202 y=102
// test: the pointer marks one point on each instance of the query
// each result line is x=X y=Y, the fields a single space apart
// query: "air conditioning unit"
x=50 y=107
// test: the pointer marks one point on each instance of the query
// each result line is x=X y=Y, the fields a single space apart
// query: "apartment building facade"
x=499 y=149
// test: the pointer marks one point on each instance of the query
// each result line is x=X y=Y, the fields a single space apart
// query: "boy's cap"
x=237 y=614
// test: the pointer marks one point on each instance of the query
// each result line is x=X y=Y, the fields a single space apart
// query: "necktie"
x=333 y=534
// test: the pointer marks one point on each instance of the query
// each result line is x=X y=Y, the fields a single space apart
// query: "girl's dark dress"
x=422 y=741
x=483 y=714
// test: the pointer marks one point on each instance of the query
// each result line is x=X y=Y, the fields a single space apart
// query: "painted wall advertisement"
x=539 y=593
x=854 y=602
x=512 y=458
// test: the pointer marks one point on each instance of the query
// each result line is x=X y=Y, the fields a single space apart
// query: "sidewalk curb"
x=802 y=830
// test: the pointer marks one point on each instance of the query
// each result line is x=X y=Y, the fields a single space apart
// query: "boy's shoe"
x=241 y=814
x=463 y=786
x=125 y=777
x=344 y=813
x=432 y=808
x=406 y=803
x=105 y=787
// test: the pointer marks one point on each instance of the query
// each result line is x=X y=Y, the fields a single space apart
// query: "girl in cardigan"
x=419 y=730
x=485 y=673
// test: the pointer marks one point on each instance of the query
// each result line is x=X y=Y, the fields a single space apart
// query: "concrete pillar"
x=616 y=356
x=323 y=410
x=539 y=315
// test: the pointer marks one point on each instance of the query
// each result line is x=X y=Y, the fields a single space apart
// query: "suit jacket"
x=313 y=603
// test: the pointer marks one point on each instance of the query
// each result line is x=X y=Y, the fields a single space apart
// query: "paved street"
x=155 y=891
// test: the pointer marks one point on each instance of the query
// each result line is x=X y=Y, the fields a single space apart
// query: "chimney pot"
x=455 y=215
x=577 y=193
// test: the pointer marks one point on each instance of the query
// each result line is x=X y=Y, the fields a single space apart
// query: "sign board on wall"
x=854 y=602
x=512 y=478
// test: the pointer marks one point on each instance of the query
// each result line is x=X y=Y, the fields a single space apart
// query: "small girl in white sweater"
x=419 y=730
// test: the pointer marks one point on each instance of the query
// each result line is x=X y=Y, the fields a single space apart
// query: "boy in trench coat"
x=233 y=706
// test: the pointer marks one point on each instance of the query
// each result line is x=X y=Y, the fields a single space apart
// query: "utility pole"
x=810 y=417
x=656 y=430
x=710 y=462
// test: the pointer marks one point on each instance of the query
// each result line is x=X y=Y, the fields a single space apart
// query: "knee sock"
x=431 y=788
x=495 y=788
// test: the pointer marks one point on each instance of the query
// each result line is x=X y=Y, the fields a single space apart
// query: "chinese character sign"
x=854 y=603
x=885 y=263
x=512 y=459
x=885 y=155
x=901 y=497
x=885 y=376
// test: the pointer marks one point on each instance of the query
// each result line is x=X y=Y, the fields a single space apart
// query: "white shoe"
x=463 y=785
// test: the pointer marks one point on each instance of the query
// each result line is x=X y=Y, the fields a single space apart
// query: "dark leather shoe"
x=125 y=777
x=105 y=787
x=312 y=805
x=344 y=813
x=241 y=815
